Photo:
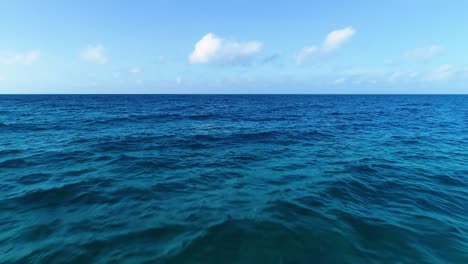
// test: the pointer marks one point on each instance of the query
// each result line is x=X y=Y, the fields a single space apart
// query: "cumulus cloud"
x=337 y=38
x=26 y=58
x=332 y=42
x=213 y=49
x=424 y=53
x=95 y=54
x=205 y=49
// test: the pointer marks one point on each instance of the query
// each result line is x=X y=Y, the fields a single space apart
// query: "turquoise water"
x=233 y=179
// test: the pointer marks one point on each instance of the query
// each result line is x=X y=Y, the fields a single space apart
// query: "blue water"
x=233 y=179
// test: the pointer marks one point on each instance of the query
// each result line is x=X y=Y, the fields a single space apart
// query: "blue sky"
x=239 y=47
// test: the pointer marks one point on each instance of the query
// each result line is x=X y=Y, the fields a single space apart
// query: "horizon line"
x=6 y=94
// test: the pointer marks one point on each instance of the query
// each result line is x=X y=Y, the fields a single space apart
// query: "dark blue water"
x=234 y=179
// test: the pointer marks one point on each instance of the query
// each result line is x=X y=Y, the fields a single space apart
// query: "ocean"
x=233 y=179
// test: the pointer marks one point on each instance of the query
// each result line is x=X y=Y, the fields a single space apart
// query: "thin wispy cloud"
x=339 y=81
x=442 y=73
x=332 y=42
x=305 y=53
x=135 y=70
x=271 y=58
x=448 y=72
x=423 y=53
x=94 y=54
x=213 y=49
x=20 y=58
x=402 y=75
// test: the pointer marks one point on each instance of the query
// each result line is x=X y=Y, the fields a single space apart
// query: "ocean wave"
x=121 y=144
x=260 y=241
x=15 y=163
x=85 y=192
x=109 y=248
x=202 y=117
x=131 y=164
x=234 y=179
x=34 y=178
x=30 y=127
x=156 y=117
x=5 y=152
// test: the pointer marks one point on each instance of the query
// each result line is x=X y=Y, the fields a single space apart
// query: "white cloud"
x=332 y=42
x=423 y=53
x=26 y=58
x=213 y=49
x=337 y=38
x=205 y=49
x=95 y=54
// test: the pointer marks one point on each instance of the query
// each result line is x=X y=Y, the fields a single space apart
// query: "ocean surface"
x=233 y=179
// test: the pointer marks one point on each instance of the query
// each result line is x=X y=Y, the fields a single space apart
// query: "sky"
x=233 y=46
